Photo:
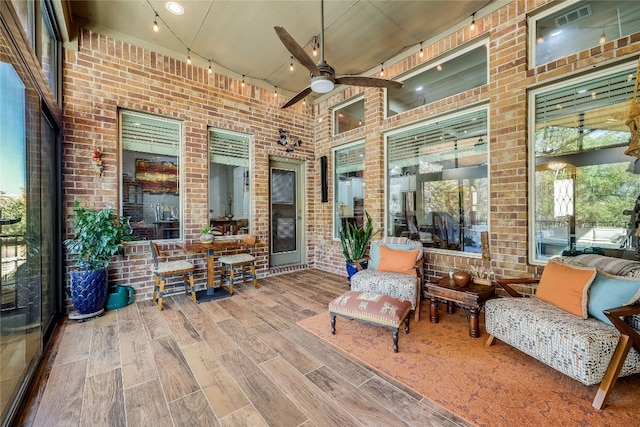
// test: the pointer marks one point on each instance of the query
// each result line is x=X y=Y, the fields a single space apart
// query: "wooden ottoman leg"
x=406 y=324
x=333 y=323
x=395 y=339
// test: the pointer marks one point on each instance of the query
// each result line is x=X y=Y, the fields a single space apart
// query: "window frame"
x=179 y=161
x=336 y=109
x=334 y=232
x=442 y=60
x=435 y=119
x=250 y=144
x=531 y=150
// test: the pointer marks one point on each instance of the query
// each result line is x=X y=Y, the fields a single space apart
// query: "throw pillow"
x=374 y=253
x=566 y=287
x=608 y=291
x=397 y=261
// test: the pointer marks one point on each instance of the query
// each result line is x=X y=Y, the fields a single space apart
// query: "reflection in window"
x=349 y=187
x=585 y=187
x=582 y=25
x=437 y=182
x=151 y=175
x=229 y=182
x=347 y=117
x=466 y=70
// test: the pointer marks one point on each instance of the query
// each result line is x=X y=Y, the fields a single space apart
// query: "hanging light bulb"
x=304 y=101
x=421 y=51
x=155 y=24
x=275 y=92
x=439 y=67
x=603 y=38
x=242 y=84
x=472 y=27
x=291 y=64
x=382 y=70
x=188 y=56
x=210 y=69
x=315 y=46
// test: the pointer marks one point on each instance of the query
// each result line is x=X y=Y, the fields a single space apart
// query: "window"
x=49 y=50
x=151 y=175
x=456 y=73
x=229 y=182
x=348 y=116
x=584 y=187
x=572 y=28
x=24 y=11
x=349 y=186
x=437 y=182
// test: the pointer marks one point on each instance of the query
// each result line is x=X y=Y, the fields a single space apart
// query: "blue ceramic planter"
x=89 y=290
x=352 y=269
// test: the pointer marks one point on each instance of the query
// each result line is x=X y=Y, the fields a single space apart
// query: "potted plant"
x=99 y=236
x=206 y=234
x=355 y=242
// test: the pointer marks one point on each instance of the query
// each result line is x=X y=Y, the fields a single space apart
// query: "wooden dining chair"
x=164 y=270
x=245 y=262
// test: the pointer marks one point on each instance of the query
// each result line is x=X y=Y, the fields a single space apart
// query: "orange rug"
x=487 y=386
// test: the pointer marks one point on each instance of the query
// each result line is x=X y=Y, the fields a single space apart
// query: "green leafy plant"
x=207 y=230
x=99 y=236
x=355 y=240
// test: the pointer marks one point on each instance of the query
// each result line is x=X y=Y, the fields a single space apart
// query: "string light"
x=603 y=39
x=210 y=69
x=472 y=27
x=291 y=64
x=421 y=51
x=188 y=56
x=242 y=84
x=155 y=24
x=382 y=69
x=315 y=46
x=439 y=67
x=275 y=92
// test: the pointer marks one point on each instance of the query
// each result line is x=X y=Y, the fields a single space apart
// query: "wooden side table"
x=471 y=297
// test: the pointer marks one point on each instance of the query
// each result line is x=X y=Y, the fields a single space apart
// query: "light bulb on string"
x=155 y=24
x=291 y=64
x=472 y=27
x=188 y=56
x=275 y=92
x=382 y=70
x=603 y=38
x=242 y=84
x=315 y=46
x=421 y=51
x=210 y=69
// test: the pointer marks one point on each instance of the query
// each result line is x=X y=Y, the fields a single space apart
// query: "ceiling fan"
x=323 y=76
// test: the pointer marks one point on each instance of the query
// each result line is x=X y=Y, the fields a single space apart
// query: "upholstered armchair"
x=395 y=269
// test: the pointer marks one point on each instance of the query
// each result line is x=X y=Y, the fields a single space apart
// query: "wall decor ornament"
x=287 y=142
x=96 y=158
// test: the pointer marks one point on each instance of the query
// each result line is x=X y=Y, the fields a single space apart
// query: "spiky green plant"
x=355 y=240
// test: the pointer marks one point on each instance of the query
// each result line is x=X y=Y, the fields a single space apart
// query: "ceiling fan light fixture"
x=321 y=84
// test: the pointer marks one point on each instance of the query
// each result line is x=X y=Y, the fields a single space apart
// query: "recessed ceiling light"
x=174 y=7
x=419 y=88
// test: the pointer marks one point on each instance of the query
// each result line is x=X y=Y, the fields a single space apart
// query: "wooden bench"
x=377 y=309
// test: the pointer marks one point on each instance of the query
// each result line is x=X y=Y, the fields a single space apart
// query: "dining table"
x=212 y=292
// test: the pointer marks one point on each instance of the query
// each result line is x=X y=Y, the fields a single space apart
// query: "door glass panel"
x=283 y=210
x=21 y=256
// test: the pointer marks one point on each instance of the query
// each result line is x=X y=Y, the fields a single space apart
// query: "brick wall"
x=104 y=75
x=506 y=93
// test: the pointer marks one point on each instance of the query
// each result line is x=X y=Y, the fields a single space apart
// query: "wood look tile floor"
x=240 y=361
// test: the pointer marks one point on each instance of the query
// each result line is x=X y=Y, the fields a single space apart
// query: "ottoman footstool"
x=379 y=310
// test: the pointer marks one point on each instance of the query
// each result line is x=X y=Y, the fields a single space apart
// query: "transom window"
x=151 y=175
x=348 y=116
x=584 y=189
x=437 y=182
x=575 y=26
x=455 y=73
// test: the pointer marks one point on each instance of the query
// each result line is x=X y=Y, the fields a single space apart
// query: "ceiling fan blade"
x=298 y=52
x=299 y=96
x=368 y=82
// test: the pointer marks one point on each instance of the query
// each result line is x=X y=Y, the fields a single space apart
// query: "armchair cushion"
x=401 y=261
x=374 y=251
x=608 y=291
x=566 y=287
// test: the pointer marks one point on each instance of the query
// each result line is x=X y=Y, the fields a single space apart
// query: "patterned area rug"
x=487 y=386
